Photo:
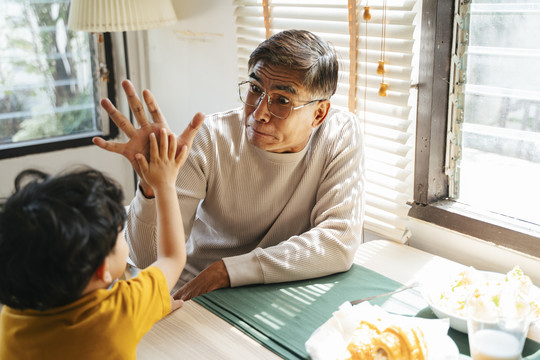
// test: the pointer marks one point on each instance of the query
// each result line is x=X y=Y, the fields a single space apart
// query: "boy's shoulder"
x=135 y=303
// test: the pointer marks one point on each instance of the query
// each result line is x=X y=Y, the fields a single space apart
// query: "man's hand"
x=212 y=278
x=138 y=138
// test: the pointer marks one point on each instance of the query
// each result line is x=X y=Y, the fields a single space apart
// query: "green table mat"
x=283 y=316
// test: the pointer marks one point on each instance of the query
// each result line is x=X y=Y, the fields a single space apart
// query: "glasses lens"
x=249 y=94
x=279 y=105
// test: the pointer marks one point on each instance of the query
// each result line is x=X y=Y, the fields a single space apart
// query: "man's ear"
x=321 y=112
x=103 y=273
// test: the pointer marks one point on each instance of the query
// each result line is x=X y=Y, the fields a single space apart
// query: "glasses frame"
x=265 y=93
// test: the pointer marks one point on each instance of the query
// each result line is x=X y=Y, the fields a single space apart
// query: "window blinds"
x=388 y=121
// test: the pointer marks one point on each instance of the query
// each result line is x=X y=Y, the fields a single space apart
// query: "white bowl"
x=457 y=322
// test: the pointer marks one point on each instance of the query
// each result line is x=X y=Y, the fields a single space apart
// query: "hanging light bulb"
x=367 y=14
x=382 y=89
x=380 y=68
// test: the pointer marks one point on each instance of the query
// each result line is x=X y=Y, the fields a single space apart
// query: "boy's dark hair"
x=54 y=234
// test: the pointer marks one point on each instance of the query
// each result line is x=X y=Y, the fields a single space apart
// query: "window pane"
x=500 y=159
x=46 y=83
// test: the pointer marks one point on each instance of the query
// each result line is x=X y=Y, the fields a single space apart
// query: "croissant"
x=393 y=343
x=361 y=343
x=398 y=343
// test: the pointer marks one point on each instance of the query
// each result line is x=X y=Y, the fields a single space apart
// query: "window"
x=388 y=121
x=478 y=132
x=50 y=80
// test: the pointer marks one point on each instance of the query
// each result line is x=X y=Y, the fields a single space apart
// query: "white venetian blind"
x=388 y=121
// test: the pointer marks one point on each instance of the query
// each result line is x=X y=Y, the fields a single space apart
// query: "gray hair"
x=302 y=51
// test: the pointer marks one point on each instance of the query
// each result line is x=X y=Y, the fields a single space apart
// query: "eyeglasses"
x=280 y=106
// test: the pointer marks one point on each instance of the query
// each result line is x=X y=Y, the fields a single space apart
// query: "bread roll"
x=361 y=343
x=393 y=343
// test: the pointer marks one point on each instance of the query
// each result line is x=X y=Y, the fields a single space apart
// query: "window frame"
x=72 y=141
x=431 y=202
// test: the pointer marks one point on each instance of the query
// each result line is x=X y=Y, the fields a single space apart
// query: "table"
x=193 y=332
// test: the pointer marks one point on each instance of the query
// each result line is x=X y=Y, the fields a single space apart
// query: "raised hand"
x=138 y=142
x=162 y=169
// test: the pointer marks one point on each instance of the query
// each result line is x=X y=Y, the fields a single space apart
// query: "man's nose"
x=261 y=112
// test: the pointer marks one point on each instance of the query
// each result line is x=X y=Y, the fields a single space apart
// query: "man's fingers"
x=178 y=294
x=153 y=108
x=135 y=103
x=109 y=145
x=182 y=155
x=186 y=138
x=118 y=118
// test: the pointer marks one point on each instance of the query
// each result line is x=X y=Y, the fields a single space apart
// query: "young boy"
x=61 y=248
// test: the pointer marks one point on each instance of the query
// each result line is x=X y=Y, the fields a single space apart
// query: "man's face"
x=270 y=133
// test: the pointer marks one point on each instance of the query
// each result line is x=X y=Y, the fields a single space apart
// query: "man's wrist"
x=220 y=268
x=147 y=194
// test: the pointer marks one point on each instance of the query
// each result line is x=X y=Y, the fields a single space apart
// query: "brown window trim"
x=431 y=202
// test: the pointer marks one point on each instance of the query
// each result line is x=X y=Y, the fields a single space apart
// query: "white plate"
x=330 y=340
x=458 y=322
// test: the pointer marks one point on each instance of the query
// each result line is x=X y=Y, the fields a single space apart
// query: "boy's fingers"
x=163 y=142
x=176 y=304
x=143 y=164
x=154 y=151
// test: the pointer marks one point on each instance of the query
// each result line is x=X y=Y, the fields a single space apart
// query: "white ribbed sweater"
x=271 y=217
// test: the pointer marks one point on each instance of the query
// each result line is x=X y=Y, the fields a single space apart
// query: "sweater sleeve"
x=141 y=228
x=330 y=244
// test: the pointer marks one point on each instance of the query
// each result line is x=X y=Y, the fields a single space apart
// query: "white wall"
x=193 y=64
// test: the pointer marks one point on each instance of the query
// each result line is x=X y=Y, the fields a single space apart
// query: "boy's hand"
x=176 y=304
x=164 y=164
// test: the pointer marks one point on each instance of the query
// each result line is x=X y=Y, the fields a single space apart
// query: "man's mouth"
x=256 y=129
x=258 y=132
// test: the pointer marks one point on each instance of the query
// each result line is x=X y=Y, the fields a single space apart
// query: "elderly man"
x=272 y=191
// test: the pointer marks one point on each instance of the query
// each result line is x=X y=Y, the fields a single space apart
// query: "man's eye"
x=255 y=89
x=282 y=100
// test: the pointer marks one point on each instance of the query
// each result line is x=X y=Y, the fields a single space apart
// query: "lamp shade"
x=120 y=15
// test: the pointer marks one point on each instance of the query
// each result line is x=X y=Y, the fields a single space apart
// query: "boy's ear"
x=103 y=272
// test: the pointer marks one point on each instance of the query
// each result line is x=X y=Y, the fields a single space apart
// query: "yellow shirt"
x=105 y=324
